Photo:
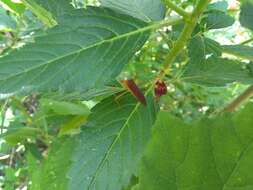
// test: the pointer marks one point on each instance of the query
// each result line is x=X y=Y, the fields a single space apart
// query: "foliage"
x=210 y=154
x=73 y=118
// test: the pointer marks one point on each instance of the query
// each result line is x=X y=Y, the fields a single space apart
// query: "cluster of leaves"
x=66 y=122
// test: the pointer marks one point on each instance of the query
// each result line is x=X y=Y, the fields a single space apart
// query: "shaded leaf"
x=52 y=172
x=111 y=145
x=218 y=6
x=171 y=135
x=199 y=47
x=212 y=47
x=15 y=135
x=6 y=22
x=217 y=19
x=56 y=8
x=43 y=15
x=211 y=154
x=147 y=10
x=133 y=182
x=241 y=51
x=206 y=68
x=16 y=7
x=217 y=72
x=197 y=56
x=246 y=15
x=73 y=125
x=65 y=108
x=86 y=51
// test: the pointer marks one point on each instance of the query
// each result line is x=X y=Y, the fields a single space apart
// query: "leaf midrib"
x=112 y=146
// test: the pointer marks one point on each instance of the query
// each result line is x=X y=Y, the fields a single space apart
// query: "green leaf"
x=86 y=51
x=133 y=182
x=111 y=144
x=246 y=15
x=16 y=7
x=64 y=108
x=15 y=135
x=43 y=15
x=73 y=125
x=217 y=72
x=218 y=6
x=217 y=19
x=197 y=56
x=250 y=66
x=6 y=22
x=206 y=68
x=56 y=8
x=199 y=47
x=211 y=154
x=33 y=168
x=212 y=47
x=241 y=51
x=167 y=149
x=147 y=10
x=52 y=173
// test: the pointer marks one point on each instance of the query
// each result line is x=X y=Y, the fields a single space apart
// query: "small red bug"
x=160 y=89
x=135 y=90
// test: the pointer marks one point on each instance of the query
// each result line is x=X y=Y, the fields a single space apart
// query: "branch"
x=177 y=9
x=185 y=35
x=248 y=93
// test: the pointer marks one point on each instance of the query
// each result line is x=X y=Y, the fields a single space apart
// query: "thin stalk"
x=168 y=22
x=185 y=35
x=236 y=103
x=177 y=9
x=246 y=41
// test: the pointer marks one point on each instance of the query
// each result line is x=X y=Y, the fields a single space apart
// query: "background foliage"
x=68 y=123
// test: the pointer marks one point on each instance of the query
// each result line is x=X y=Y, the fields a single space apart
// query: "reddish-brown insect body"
x=160 y=89
x=135 y=90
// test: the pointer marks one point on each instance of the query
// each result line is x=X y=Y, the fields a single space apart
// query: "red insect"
x=160 y=89
x=135 y=90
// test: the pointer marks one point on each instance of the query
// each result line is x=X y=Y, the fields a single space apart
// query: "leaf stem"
x=248 y=93
x=168 y=22
x=177 y=9
x=185 y=35
x=246 y=41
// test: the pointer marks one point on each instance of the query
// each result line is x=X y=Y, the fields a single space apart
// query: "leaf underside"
x=146 y=10
x=207 y=67
x=115 y=138
x=85 y=51
x=107 y=152
x=246 y=14
x=57 y=8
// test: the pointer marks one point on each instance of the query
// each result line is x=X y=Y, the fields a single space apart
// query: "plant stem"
x=248 y=93
x=185 y=35
x=168 y=22
x=246 y=41
x=177 y=9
